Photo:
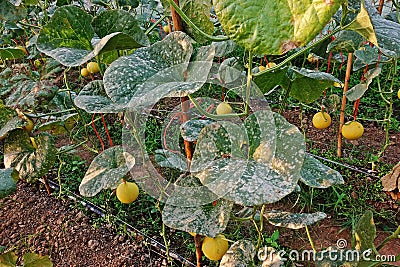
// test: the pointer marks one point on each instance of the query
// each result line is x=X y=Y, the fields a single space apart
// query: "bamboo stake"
x=342 y=109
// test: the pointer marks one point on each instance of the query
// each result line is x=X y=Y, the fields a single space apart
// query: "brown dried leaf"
x=391 y=181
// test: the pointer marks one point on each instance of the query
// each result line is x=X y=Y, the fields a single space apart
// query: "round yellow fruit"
x=321 y=120
x=84 y=72
x=34 y=143
x=127 y=192
x=93 y=67
x=270 y=65
x=398 y=94
x=261 y=68
x=167 y=29
x=263 y=153
x=352 y=130
x=215 y=248
x=223 y=108
x=29 y=125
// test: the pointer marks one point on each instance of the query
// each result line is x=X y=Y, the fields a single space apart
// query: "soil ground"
x=33 y=221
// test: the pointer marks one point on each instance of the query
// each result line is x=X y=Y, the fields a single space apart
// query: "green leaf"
x=345 y=42
x=120 y=21
x=207 y=219
x=190 y=129
x=34 y=260
x=11 y=53
x=10 y=12
x=367 y=56
x=363 y=25
x=67 y=37
x=308 y=85
x=8 y=179
x=8 y=259
x=199 y=13
x=273 y=27
x=293 y=220
x=267 y=81
x=61 y=125
x=31 y=163
x=93 y=99
x=11 y=125
x=365 y=232
x=106 y=171
x=241 y=253
x=168 y=159
x=358 y=90
x=6 y=114
x=123 y=76
x=317 y=175
x=224 y=48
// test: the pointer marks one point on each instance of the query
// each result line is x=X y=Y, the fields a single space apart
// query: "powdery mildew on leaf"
x=365 y=232
x=293 y=220
x=317 y=175
x=106 y=171
x=168 y=159
x=190 y=129
x=7 y=182
x=11 y=125
x=240 y=254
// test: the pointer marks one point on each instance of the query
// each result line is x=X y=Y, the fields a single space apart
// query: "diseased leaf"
x=293 y=220
x=333 y=257
x=30 y=162
x=198 y=12
x=224 y=48
x=11 y=125
x=10 y=12
x=273 y=27
x=365 y=232
x=271 y=258
x=367 y=56
x=8 y=259
x=240 y=254
x=106 y=171
x=190 y=129
x=60 y=125
x=345 y=42
x=208 y=219
x=391 y=181
x=71 y=46
x=35 y=260
x=358 y=91
x=317 y=175
x=168 y=159
x=8 y=179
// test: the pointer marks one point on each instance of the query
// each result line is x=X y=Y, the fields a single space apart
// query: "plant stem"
x=342 y=109
x=149 y=30
x=310 y=239
x=396 y=234
x=248 y=84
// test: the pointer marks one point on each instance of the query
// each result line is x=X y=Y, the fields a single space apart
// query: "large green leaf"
x=345 y=42
x=35 y=260
x=293 y=220
x=245 y=181
x=11 y=13
x=8 y=259
x=106 y=171
x=240 y=254
x=199 y=13
x=8 y=179
x=11 y=53
x=30 y=162
x=207 y=219
x=67 y=37
x=274 y=27
x=124 y=75
x=269 y=80
x=308 y=85
x=358 y=90
x=190 y=130
x=317 y=175
x=120 y=21
x=367 y=56
x=365 y=232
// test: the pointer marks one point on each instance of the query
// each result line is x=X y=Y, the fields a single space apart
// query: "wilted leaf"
x=8 y=259
x=358 y=91
x=365 y=232
x=106 y=171
x=35 y=260
x=293 y=220
x=273 y=27
x=317 y=175
x=60 y=125
x=31 y=163
x=391 y=181
x=240 y=254
x=208 y=219
x=11 y=125
x=8 y=179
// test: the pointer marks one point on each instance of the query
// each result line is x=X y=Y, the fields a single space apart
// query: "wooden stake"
x=342 y=109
